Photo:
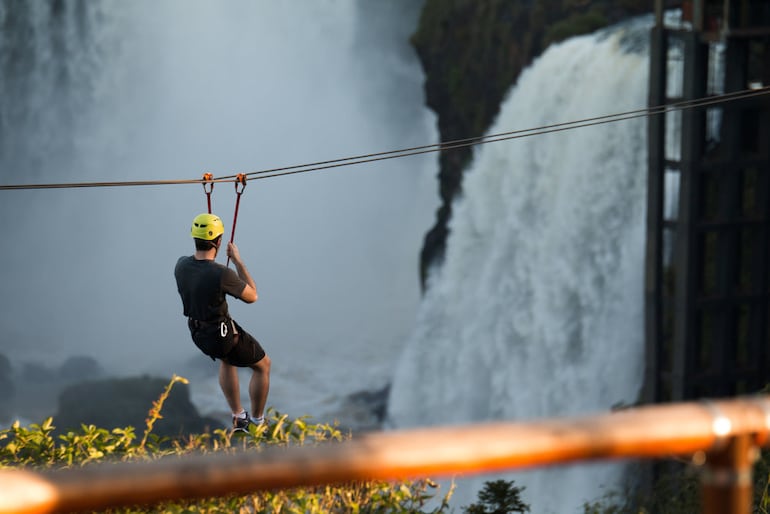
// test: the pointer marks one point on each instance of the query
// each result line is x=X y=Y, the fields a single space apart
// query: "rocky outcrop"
x=472 y=53
x=78 y=392
x=123 y=402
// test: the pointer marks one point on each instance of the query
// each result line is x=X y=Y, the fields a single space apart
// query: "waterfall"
x=49 y=60
x=109 y=90
x=537 y=310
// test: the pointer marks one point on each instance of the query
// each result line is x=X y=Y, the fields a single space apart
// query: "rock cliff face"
x=123 y=402
x=472 y=52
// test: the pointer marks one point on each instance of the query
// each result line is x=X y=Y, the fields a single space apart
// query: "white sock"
x=241 y=415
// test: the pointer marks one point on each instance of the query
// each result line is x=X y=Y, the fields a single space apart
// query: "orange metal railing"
x=725 y=435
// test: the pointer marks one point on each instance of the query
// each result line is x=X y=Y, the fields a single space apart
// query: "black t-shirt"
x=203 y=286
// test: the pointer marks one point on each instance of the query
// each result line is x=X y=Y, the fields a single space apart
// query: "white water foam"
x=537 y=310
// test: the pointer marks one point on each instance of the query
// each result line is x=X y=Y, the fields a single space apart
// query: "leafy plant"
x=157 y=406
x=498 y=497
x=36 y=446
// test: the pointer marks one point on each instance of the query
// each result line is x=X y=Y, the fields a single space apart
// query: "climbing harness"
x=240 y=180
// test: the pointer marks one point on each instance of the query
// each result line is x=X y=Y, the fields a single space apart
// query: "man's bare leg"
x=259 y=386
x=228 y=381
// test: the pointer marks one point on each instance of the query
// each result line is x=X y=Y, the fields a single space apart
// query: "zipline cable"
x=449 y=145
x=518 y=134
x=557 y=127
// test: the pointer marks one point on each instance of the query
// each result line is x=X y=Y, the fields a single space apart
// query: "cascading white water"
x=113 y=90
x=537 y=310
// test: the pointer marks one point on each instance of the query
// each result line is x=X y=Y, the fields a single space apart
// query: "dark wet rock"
x=365 y=410
x=375 y=401
x=122 y=402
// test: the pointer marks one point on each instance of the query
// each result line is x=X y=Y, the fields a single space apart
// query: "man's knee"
x=262 y=365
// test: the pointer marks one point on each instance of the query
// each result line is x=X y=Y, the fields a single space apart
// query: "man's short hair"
x=204 y=245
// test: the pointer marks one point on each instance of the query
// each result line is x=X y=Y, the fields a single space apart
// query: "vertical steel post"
x=727 y=477
x=697 y=15
x=686 y=258
x=656 y=125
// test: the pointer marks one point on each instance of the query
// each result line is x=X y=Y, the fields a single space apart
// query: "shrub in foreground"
x=38 y=447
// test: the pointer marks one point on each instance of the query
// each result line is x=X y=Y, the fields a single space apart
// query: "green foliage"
x=575 y=25
x=157 y=406
x=498 y=497
x=762 y=481
x=33 y=446
x=38 y=447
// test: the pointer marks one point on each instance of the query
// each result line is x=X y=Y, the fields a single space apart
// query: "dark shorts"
x=235 y=347
x=247 y=350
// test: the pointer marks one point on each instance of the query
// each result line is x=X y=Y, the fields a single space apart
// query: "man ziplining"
x=203 y=285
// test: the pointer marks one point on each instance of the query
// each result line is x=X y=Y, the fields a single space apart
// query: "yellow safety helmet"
x=207 y=227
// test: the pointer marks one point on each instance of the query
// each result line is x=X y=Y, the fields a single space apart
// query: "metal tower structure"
x=707 y=288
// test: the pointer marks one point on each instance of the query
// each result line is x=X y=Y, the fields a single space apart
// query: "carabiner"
x=240 y=178
x=208 y=181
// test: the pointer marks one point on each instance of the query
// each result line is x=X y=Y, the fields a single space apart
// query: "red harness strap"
x=240 y=180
